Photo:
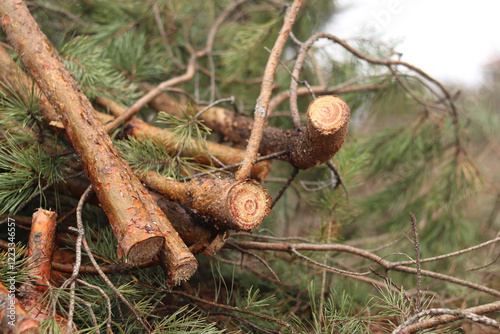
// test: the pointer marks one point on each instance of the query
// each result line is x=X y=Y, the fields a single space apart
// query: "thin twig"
x=285 y=247
x=303 y=82
x=263 y=158
x=340 y=181
x=70 y=15
x=143 y=101
x=419 y=269
x=392 y=62
x=229 y=99
x=285 y=186
x=92 y=315
x=388 y=280
x=340 y=271
x=138 y=317
x=261 y=112
x=445 y=319
x=258 y=258
x=81 y=234
x=486 y=265
x=445 y=311
x=163 y=36
x=78 y=251
x=440 y=257
x=108 y=303
x=301 y=56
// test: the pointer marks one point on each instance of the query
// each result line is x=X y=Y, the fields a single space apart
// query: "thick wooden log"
x=327 y=124
x=311 y=144
x=226 y=202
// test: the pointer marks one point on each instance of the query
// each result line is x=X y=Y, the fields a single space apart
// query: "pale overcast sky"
x=450 y=39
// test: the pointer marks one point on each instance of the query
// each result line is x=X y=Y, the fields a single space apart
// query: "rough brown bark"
x=139 y=225
x=41 y=247
x=236 y=128
x=13 y=317
x=228 y=203
x=193 y=232
x=227 y=155
x=314 y=143
x=196 y=236
x=327 y=124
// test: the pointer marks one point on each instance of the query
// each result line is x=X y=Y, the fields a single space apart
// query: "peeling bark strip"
x=139 y=225
x=229 y=203
x=227 y=155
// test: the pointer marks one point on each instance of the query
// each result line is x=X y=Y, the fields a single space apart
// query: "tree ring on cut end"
x=145 y=250
x=248 y=204
x=328 y=113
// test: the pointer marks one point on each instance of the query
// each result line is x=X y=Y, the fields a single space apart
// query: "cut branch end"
x=328 y=121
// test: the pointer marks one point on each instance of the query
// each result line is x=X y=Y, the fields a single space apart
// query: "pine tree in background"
x=224 y=130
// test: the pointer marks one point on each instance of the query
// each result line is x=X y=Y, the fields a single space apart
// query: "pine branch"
x=224 y=201
x=195 y=150
x=328 y=118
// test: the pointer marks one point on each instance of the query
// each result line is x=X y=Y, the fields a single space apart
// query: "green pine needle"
x=24 y=171
x=185 y=129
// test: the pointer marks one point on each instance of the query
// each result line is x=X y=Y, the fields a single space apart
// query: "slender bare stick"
x=445 y=319
x=265 y=92
x=143 y=101
x=391 y=62
x=286 y=247
x=108 y=303
x=285 y=186
x=445 y=311
x=444 y=256
x=138 y=317
x=417 y=257
x=78 y=260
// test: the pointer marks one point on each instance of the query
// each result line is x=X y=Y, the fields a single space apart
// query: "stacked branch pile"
x=152 y=227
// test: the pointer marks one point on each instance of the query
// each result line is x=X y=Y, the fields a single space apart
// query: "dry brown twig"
x=287 y=247
x=143 y=101
x=417 y=260
x=262 y=104
x=458 y=314
x=450 y=317
x=392 y=62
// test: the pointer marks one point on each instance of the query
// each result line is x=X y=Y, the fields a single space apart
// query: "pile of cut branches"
x=170 y=189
